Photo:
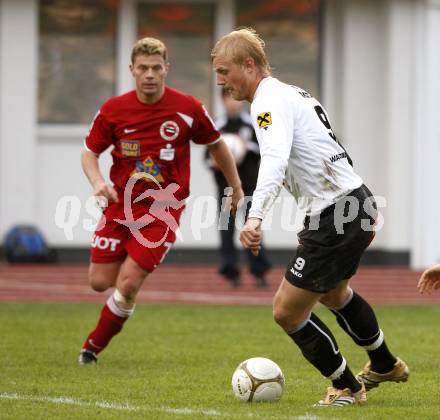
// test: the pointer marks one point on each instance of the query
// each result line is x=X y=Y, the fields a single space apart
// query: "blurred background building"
x=374 y=64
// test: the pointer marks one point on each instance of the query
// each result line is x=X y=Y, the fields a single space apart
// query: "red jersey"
x=151 y=138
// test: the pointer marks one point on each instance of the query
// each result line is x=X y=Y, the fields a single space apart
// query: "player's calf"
x=357 y=318
x=113 y=316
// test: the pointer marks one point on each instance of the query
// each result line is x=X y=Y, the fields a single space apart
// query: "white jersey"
x=298 y=150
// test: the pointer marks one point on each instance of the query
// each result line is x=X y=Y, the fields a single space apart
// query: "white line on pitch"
x=140 y=408
x=107 y=405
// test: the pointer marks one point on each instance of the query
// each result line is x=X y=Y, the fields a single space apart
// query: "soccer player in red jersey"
x=150 y=129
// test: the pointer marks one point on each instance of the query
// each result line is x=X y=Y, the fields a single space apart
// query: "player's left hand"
x=430 y=280
x=250 y=235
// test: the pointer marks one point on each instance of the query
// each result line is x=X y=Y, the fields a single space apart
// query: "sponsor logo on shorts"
x=130 y=148
x=169 y=130
x=296 y=273
x=102 y=242
x=299 y=265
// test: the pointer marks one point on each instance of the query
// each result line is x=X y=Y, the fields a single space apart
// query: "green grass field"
x=176 y=361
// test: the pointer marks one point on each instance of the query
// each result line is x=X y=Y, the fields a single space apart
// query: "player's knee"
x=279 y=315
x=98 y=283
x=103 y=276
x=286 y=316
x=283 y=317
x=101 y=280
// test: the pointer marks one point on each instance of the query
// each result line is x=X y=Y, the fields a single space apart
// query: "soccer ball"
x=258 y=379
x=236 y=145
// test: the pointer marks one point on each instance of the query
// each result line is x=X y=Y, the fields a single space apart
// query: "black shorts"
x=332 y=243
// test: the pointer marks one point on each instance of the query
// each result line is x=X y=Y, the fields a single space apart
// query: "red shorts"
x=147 y=244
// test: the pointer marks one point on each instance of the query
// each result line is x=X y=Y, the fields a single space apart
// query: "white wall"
x=399 y=134
x=425 y=222
x=18 y=140
x=380 y=86
x=368 y=89
x=59 y=176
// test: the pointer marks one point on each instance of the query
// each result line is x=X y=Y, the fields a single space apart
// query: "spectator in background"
x=430 y=279
x=236 y=127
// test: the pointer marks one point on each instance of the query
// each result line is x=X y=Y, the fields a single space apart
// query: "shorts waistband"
x=330 y=209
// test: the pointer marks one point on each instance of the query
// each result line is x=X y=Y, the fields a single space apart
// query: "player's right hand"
x=250 y=235
x=430 y=280
x=103 y=189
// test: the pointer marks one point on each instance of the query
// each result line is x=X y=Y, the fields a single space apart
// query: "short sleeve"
x=204 y=129
x=100 y=135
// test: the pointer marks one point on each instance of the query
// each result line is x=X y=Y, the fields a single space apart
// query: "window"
x=76 y=59
x=187 y=31
x=290 y=29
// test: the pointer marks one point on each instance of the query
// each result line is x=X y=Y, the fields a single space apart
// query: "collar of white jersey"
x=263 y=82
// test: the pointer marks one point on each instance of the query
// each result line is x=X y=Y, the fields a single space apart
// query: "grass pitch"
x=176 y=362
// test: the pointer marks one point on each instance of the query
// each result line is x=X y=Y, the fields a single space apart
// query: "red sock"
x=108 y=326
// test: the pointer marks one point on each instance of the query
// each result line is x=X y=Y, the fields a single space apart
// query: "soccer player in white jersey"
x=300 y=151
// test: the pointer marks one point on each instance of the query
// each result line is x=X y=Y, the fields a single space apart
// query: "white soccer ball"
x=258 y=379
x=236 y=145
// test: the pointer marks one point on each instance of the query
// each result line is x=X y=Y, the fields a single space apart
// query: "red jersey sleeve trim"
x=204 y=130
x=89 y=149
x=215 y=141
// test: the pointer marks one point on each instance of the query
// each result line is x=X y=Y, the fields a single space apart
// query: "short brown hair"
x=241 y=44
x=149 y=46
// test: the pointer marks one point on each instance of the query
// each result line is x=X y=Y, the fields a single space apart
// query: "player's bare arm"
x=250 y=235
x=430 y=280
x=225 y=161
x=101 y=188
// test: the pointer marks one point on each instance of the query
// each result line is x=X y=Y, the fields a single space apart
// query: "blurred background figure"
x=237 y=131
